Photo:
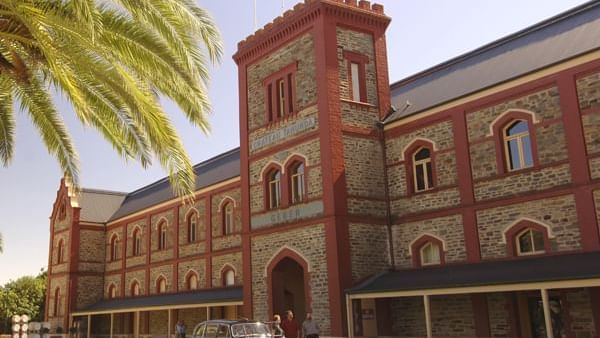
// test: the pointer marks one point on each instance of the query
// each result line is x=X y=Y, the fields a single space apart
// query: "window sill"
x=359 y=103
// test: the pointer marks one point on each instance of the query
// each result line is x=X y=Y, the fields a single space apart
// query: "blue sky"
x=422 y=34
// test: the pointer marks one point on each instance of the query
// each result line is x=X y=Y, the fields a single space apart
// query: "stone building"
x=462 y=201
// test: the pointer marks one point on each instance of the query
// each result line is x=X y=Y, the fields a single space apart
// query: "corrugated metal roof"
x=217 y=169
x=523 y=270
x=562 y=37
x=207 y=296
x=98 y=206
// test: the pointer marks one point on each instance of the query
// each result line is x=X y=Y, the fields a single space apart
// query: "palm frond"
x=7 y=122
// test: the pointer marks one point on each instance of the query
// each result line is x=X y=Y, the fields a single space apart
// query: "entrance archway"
x=288 y=281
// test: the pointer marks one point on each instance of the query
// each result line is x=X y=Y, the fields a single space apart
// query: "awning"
x=199 y=298
x=524 y=273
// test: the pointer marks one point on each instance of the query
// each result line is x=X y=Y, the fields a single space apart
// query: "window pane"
x=525 y=244
x=289 y=94
x=229 y=278
x=517 y=127
x=420 y=177
x=527 y=153
x=538 y=241
x=281 y=97
x=422 y=154
x=355 y=82
x=429 y=176
x=513 y=154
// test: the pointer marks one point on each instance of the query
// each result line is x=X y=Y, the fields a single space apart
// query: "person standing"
x=180 y=329
x=277 y=330
x=290 y=326
x=310 y=328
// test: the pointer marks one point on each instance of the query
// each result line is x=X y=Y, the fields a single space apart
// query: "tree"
x=1 y=244
x=111 y=60
x=25 y=295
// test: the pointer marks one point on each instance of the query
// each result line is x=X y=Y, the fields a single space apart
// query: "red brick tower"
x=313 y=85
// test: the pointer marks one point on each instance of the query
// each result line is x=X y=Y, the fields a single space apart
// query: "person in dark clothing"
x=180 y=329
x=290 y=326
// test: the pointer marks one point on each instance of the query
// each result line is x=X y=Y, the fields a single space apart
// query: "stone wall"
x=186 y=210
x=91 y=246
x=300 y=51
x=578 y=303
x=369 y=249
x=167 y=272
x=588 y=91
x=140 y=277
x=142 y=224
x=166 y=253
x=113 y=279
x=408 y=317
x=219 y=263
x=309 y=242
x=360 y=43
x=217 y=202
x=89 y=290
x=198 y=266
x=449 y=229
x=498 y=314
x=425 y=201
x=558 y=213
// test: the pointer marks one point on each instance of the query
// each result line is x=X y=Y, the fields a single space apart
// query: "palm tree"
x=112 y=60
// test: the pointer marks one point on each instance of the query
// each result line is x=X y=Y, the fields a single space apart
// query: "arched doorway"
x=288 y=291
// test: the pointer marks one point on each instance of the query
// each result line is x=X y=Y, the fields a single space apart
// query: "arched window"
x=274 y=189
x=112 y=291
x=114 y=248
x=137 y=242
x=229 y=277
x=422 y=170
x=56 y=310
x=297 y=182
x=161 y=285
x=162 y=235
x=192 y=221
x=227 y=212
x=60 y=252
x=192 y=281
x=430 y=254
x=517 y=145
x=530 y=242
x=135 y=289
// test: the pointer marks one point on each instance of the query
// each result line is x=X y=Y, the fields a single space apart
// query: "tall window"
x=279 y=89
x=137 y=242
x=274 y=186
x=422 y=170
x=162 y=235
x=229 y=278
x=114 y=248
x=112 y=291
x=530 y=242
x=135 y=289
x=430 y=254
x=297 y=182
x=517 y=145
x=60 y=252
x=357 y=75
x=191 y=226
x=161 y=285
x=192 y=281
x=56 y=310
x=227 y=212
x=354 y=71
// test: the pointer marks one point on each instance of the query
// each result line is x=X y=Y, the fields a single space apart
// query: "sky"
x=422 y=34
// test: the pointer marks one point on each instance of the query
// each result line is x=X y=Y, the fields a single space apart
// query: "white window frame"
x=422 y=256
x=423 y=163
x=520 y=147
x=535 y=251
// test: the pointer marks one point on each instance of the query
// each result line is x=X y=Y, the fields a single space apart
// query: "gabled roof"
x=97 y=206
x=217 y=169
x=554 y=40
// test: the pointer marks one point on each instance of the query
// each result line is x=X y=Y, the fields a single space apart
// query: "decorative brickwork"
x=558 y=213
x=449 y=229
x=165 y=271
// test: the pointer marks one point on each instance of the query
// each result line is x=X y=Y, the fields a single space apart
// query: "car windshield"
x=250 y=329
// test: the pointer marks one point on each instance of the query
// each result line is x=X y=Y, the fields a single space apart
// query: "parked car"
x=222 y=328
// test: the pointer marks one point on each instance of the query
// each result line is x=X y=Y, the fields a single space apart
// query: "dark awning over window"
x=200 y=298
x=568 y=267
